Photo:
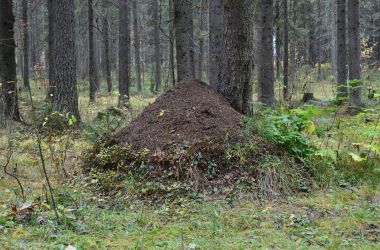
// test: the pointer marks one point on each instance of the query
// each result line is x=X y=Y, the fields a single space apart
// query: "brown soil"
x=188 y=112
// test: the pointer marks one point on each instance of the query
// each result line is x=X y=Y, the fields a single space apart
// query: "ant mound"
x=197 y=144
x=189 y=112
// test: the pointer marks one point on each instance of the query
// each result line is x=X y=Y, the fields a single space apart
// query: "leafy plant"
x=286 y=128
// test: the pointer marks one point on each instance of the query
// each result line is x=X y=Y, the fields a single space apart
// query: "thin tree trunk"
x=203 y=22
x=294 y=39
x=341 y=50
x=136 y=36
x=171 y=30
x=319 y=39
x=62 y=93
x=124 y=54
x=286 y=50
x=278 y=40
x=306 y=28
x=25 y=52
x=216 y=43
x=266 y=73
x=183 y=23
x=93 y=54
x=8 y=96
x=106 y=39
x=354 y=52
x=157 y=44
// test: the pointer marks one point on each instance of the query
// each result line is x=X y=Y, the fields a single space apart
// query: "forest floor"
x=341 y=216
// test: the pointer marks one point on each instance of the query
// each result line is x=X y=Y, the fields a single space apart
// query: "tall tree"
x=124 y=53
x=92 y=52
x=286 y=50
x=183 y=23
x=106 y=40
x=25 y=49
x=278 y=39
x=341 y=57
x=319 y=38
x=8 y=95
x=136 y=37
x=216 y=43
x=354 y=52
x=62 y=93
x=171 y=46
x=266 y=72
x=157 y=44
x=237 y=86
x=203 y=25
x=294 y=37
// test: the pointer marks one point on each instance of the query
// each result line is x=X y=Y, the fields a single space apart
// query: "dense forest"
x=189 y=124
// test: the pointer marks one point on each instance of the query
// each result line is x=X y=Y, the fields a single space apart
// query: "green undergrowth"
x=307 y=178
x=199 y=171
x=284 y=152
x=332 y=219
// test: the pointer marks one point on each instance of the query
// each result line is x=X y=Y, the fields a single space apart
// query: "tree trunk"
x=171 y=53
x=8 y=96
x=106 y=39
x=286 y=50
x=354 y=52
x=203 y=30
x=216 y=43
x=319 y=39
x=341 y=51
x=136 y=36
x=25 y=49
x=183 y=23
x=278 y=40
x=157 y=44
x=236 y=86
x=294 y=38
x=124 y=54
x=307 y=29
x=92 y=53
x=62 y=60
x=266 y=73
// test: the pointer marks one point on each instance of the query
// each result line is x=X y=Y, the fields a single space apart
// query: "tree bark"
x=294 y=38
x=171 y=52
x=278 y=40
x=216 y=43
x=25 y=49
x=183 y=23
x=319 y=39
x=157 y=44
x=124 y=54
x=286 y=50
x=106 y=39
x=341 y=50
x=62 y=92
x=354 y=52
x=266 y=73
x=8 y=96
x=237 y=86
x=93 y=54
x=136 y=37
x=203 y=25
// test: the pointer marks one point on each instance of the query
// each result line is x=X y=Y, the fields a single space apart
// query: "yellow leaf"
x=161 y=113
x=357 y=158
x=310 y=129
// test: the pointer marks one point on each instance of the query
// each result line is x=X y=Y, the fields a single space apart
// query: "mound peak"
x=188 y=112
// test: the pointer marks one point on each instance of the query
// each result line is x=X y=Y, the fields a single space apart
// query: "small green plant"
x=286 y=128
x=107 y=122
